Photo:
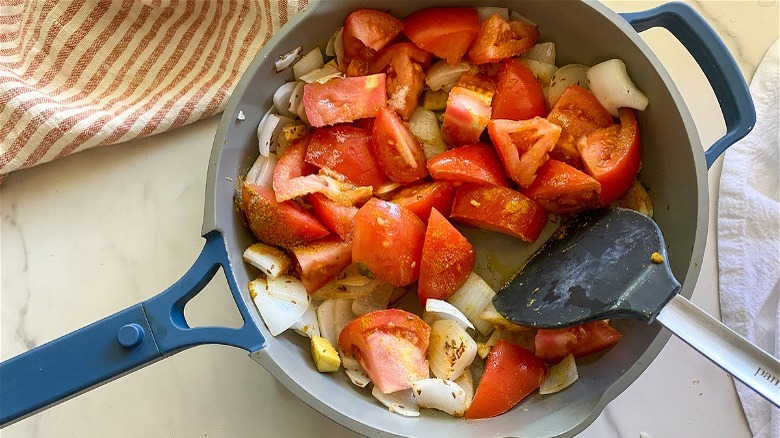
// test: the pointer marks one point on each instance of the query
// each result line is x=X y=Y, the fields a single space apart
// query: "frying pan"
x=674 y=168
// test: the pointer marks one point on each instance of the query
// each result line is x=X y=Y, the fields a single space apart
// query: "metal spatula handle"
x=743 y=360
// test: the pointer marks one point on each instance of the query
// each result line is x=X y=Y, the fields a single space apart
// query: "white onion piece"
x=542 y=52
x=338 y=47
x=310 y=62
x=491 y=315
x=262 y=171
x=325 y=319
x=296 y=97
x=358 y=377
x=569 y=74
x=516 y=16
x=542 y=71
x=560 y=376
x=307 y=324
x=610 y=82
x=349 y=363
x=278 y=314
x=287 y=59
x=466 y=382
x=486 y=12
x=471 y=299
x=636 y=198
x=440 y=394
x=441 y=74
x=443 y=310
x=282 y=99
x=287 y=287
x=425 y=127
x=322 y=75
x=271 y=260
x=330 y=48
x=386 y=188
x=268 y=132
x=378 y=299
x=401 y=402
x=451 y=350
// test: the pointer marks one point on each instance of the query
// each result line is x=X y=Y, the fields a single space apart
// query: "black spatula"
x=612 y=264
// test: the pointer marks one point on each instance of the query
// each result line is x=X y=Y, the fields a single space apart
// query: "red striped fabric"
x=85 y=73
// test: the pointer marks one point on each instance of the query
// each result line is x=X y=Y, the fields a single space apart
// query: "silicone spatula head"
x=603 y=264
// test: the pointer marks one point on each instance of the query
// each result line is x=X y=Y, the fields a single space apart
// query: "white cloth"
x=749 y=237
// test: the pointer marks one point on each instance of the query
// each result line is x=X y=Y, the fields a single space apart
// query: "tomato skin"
x=511 y=373
x=382 y=226
x=561 y=188
x=404 y=65
x=475 y=164
x=518 y=95
x=445 y=32
x=498 y=39
x=367 y=31
x=335 y=217
x=321 y=260
x=552 y=345
x=347 y=150
x=523 y=145
x=343 y=100
x=577 y=112
x=468 y=109
x=613 y=155
x=422 y=197
x=499 y=209
x=447 y=260
x=282 y=224
x=396 y=149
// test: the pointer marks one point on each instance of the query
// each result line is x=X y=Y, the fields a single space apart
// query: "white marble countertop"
x=91 y=234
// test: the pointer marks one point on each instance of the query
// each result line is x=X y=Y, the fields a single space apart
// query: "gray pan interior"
x=673 y=168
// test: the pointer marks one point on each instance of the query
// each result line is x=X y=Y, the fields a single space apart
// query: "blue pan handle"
x=715 y=60
x=121 y=343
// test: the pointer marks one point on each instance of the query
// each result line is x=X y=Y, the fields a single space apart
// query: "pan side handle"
x=716 y=62
x=121 y=343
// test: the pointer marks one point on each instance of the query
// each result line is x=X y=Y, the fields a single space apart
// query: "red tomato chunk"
x=342 y=100
x=552 y=345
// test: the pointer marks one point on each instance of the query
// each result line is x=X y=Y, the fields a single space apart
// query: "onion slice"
x=330 y=48
x=271 y=260
x=569 y=74
x=438 y=309
x=279 y=314
x=401 y=402
x=610 y=83
x=262 y=171
x=542 y=52
x=425 y=128
x=542 y=71
x=358 y=377
x=441 y=74
x=560 y=376
x=444 y=395
x=451 y=350
x=486 y=12
x=471 y=299
x=282 y=99
x=310 y=62
x=378 y=299
x=307 y=324
x=287 y=59
x=516 y=16
x=268 y=132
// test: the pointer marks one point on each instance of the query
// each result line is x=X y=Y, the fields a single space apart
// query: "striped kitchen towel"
x=82 y=73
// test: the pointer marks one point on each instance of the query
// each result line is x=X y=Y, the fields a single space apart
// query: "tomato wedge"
x=396 y=149
x=342 y=100
x=424 y=196
x=367 y=31
x=613 y=155
x=291 y=165
x=578 y=112
x=468 y=109
x=283 y=224
x=347 y=150
x=500 y=39
x=523 y=145
x=518 y=95
x=561 y=188
x=390 y=345
x=447 y=260
x=511 y=374
x=337 y=218
x=498 y=209
x=321 y=261
x=404 y=65
x=475 y=164
x=445 y=32
x=383 y=228
x=552 y=345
